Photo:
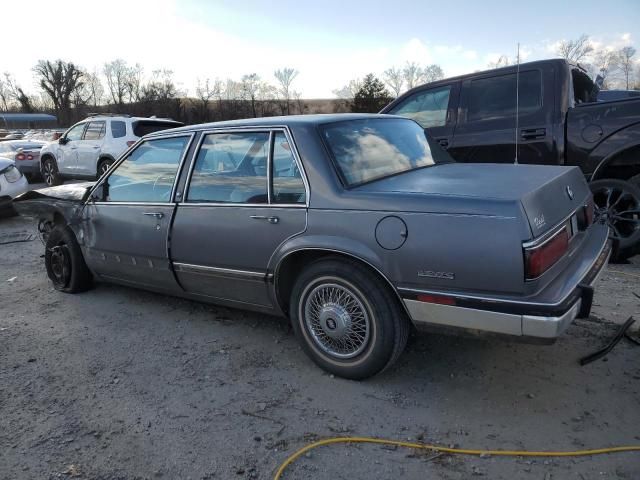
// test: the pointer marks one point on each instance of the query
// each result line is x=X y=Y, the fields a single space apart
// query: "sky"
x=328 y=41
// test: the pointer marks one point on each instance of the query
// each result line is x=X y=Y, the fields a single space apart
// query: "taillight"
x=130 y=142
x=21 y=156
x=29 y=157
x=542 y=257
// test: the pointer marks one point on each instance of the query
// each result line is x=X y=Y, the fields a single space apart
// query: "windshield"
x=369 y=149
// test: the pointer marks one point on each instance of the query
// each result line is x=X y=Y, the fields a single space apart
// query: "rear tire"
x=617 y=204
x=347 y=319
x=50 y=172
x=65 y=264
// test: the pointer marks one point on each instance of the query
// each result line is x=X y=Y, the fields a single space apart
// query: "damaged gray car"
x=355 y=227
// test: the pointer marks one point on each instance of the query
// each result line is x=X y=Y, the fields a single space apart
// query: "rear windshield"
x=144 y=127
x=369 y=149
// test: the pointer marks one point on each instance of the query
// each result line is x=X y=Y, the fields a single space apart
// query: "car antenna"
x=517 y=99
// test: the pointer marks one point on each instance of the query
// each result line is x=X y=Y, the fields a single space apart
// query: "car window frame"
x=125 y=155
x=271 y=130
x=84 y=128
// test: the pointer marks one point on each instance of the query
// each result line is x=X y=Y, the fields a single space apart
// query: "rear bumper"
x=25 y=167
x=523 y=319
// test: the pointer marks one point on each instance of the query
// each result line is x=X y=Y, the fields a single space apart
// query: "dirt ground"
x=117 y=383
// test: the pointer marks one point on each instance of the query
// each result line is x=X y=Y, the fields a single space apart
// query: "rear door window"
x=494 y=98
x=427 y=107
x=94 y=131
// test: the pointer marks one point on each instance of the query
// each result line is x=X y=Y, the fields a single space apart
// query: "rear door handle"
x=157 y=215
x=444 y=142
x=532 y=133
x=273 y=220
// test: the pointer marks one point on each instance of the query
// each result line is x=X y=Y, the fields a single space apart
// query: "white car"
x=87 y=149
x=12 y=183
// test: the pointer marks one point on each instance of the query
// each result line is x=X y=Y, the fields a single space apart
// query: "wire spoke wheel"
x=618 y=208
x=337 y=320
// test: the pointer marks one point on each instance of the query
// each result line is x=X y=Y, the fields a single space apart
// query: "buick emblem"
x=569 y=192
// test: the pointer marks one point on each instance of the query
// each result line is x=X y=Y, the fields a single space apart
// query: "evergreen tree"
x=371 y=97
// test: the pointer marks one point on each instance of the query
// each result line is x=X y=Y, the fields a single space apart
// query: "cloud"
x=415 y=51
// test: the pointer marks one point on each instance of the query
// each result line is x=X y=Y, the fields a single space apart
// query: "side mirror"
x=62 y=140
x=100 y=193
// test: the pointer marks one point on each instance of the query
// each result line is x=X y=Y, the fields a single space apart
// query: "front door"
x=245 y=197
x=89 y=148
x=126 y=229
x=67 y=154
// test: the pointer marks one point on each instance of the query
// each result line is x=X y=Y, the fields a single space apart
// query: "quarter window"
x=75 y=133
x=94 y=131
x=118 y=129
x=427 y=107
x=231 y=168
x=288 y=186
x=495 y=97
x=148 y=173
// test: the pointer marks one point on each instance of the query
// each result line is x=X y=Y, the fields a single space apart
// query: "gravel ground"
x=117 y=383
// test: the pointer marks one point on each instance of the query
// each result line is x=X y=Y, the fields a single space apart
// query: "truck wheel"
x=635 y=180
x=64 y=262
x=103 y=166
x=348 y=320
x=50 y=172
x=617 y=204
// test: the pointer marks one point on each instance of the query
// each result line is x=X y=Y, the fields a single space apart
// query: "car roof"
x=286 y=121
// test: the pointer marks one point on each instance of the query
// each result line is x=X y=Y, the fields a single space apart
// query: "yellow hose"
x=458 y=451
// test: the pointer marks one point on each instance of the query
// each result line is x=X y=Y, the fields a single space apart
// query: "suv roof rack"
x=96 y=114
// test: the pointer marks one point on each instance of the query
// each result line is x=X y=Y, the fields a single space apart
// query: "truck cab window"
x=495 y=97
x=427 y=107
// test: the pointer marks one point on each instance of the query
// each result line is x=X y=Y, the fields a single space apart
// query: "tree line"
x=70 y=92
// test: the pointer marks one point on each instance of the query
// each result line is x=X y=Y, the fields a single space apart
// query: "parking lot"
x=120 y=383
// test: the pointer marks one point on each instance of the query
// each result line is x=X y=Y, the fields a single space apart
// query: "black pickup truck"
x=559 y=121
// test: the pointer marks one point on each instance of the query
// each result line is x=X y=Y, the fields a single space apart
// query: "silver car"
x=26 y=155
x=355 y=227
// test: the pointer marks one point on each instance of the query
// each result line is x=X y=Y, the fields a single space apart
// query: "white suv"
x=87 y=149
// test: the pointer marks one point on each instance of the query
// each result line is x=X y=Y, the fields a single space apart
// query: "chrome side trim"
x=469 y=318
x=220 y=272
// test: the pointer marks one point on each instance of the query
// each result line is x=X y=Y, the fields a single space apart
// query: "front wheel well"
x=292 y=265
x=622 y=166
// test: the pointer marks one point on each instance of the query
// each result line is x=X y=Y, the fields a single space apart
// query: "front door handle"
x=157 y=215
x=273 y=220
x=533 y=133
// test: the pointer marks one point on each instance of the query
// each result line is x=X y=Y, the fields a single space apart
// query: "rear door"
x=486 y=129
x=246 y=196
x=434 y=108
x=89 y=148
x=126 y=230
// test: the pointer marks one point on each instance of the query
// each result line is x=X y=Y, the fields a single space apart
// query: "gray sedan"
x=355 y=227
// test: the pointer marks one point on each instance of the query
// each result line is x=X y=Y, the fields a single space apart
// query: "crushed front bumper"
x=523 y=319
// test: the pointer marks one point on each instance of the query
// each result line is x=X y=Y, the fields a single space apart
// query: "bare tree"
x=502 y=61
x=285 y=78
x=412 y=73
x=575 y=50
x=94 y=91
x=60 y=81
x=394 y=78
x=5 y=93
x=625 y=56
x=117 y=74
x=348 y=92
x=432 y=73
x=250 y=85
x=133 y=83
x=205 y=93
x=605 y=61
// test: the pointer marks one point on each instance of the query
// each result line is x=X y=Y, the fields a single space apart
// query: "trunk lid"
x=547 y=194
